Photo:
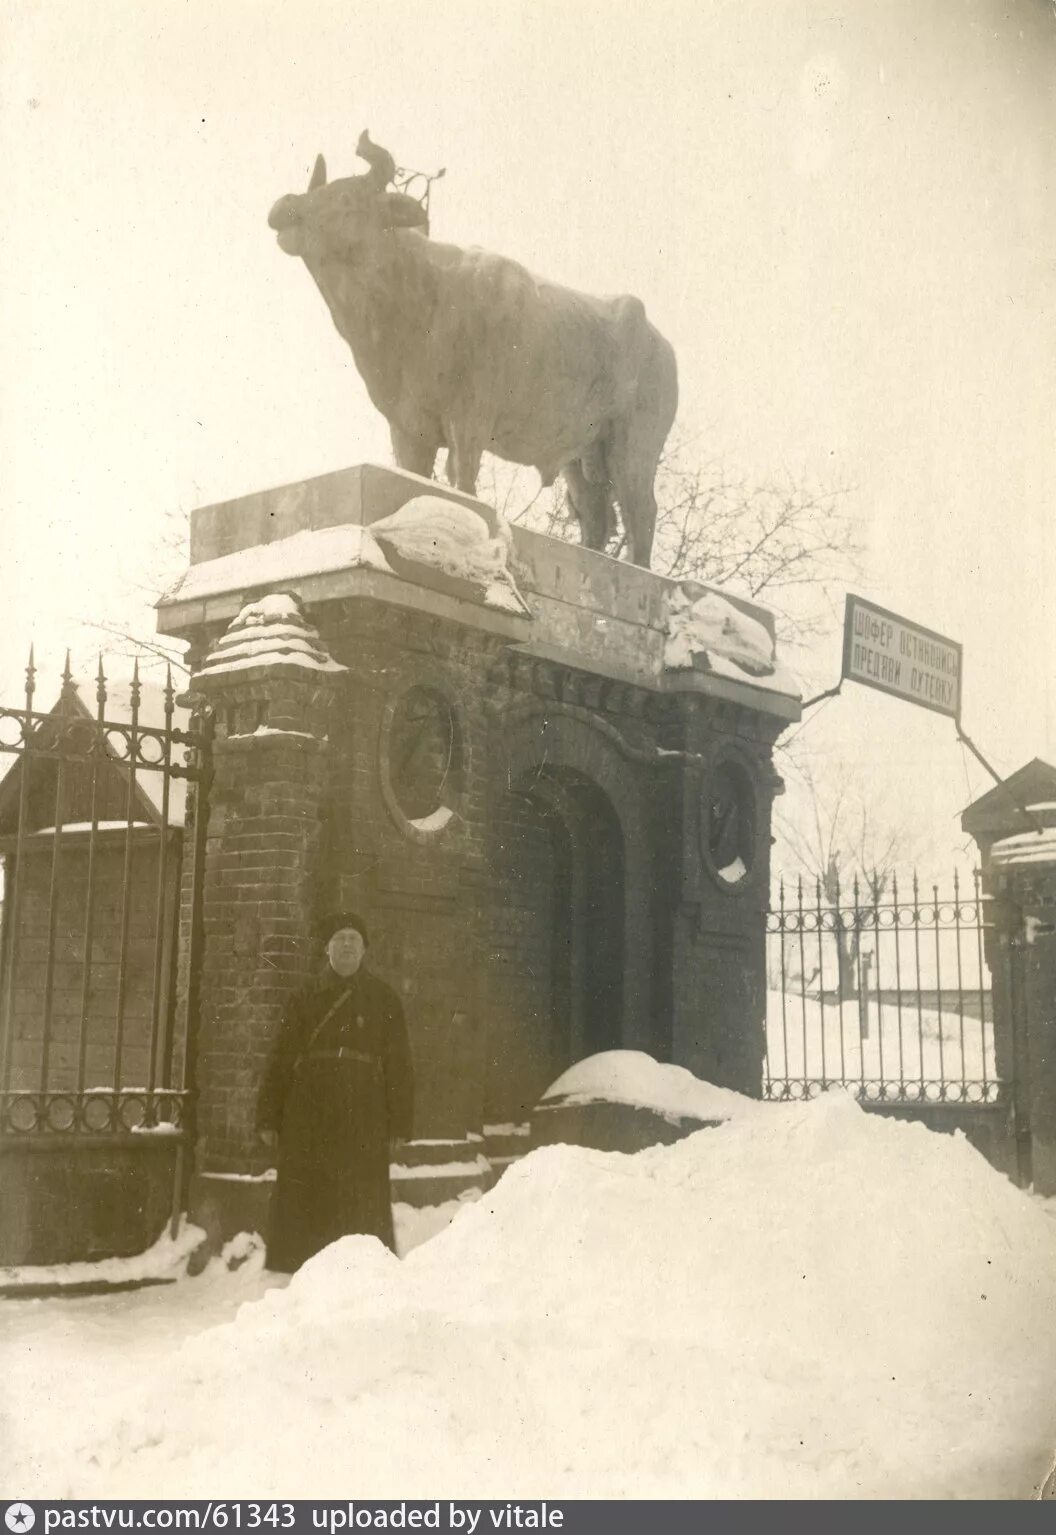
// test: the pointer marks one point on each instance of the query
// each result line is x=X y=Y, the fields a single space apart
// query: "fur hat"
x=336 y=921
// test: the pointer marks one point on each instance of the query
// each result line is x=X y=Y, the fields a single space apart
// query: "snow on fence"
x=887 y=992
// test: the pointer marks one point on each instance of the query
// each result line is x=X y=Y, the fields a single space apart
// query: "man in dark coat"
x=336 y=1094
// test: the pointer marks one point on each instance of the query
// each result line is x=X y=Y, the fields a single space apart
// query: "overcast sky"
x=843 y=217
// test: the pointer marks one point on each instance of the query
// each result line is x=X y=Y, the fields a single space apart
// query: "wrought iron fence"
x=882 y=990
x=93 y=806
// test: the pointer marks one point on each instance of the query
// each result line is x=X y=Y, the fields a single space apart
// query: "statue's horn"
x=382 y=165
x=318 y=174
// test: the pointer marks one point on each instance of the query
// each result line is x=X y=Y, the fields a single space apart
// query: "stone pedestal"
x=545 y=779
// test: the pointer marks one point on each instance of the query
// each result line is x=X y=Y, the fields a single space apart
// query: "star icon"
x=19 y=1518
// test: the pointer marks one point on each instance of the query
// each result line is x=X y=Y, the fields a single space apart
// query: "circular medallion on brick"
x=422 y=760
x=729 y=823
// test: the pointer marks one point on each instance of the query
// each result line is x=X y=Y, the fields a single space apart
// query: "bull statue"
x=463 y=349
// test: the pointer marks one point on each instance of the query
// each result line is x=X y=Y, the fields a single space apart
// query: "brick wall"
x=560 y=904
x=421 y=892
x=716 y=933
x=261 y=853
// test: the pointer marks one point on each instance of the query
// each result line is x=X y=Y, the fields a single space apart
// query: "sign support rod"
x=1002 y=783
x=820 y=697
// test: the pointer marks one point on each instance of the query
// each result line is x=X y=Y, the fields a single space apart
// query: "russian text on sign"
x=897 y=656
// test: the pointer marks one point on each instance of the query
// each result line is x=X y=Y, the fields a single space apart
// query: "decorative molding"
x=428 y=828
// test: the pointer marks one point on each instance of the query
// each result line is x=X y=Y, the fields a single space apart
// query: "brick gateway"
x=557 y=828
x=555 y=813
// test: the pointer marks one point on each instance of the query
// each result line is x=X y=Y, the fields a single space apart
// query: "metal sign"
x=897 y=656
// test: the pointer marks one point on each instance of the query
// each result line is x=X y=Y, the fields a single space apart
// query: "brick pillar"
x=1023 y=874
x=271 y=683
x=714 y=916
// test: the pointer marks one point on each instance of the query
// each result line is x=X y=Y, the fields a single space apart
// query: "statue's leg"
x=413 y=451
x=592 y=505
x=638 y=505
x=632 y=465
x=466 y=461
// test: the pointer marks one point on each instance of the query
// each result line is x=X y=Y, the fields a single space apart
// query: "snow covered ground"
x=809 y=1038
x=166 y=1260
x=808 y=1301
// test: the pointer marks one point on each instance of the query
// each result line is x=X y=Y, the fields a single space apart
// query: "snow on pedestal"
x=635 y=1079
x=453 y=541
x=706 y=628
x=441 y=533
x=292 y=558
x=427 y=537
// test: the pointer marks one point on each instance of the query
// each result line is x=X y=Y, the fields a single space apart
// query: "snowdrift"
x=807 y=1301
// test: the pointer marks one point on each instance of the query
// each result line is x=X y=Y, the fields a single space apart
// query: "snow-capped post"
x=270 y=682
x=1022 y=874
x=1013 y=825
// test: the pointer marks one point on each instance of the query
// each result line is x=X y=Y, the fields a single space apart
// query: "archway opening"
x=556 y=978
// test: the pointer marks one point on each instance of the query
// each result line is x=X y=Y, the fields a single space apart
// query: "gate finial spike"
x=134 y=691
x=31 y=672
x=100 y=684
x=67 y=675
x=170 y=693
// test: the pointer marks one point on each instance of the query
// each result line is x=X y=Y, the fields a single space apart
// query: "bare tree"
x=847 y=857
x=790 y=543
x=130 y=636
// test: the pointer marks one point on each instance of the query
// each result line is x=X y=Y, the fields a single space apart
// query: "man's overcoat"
x=337 y=1090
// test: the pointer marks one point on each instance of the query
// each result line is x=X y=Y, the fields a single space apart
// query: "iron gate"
x=97 y=992
x=886 y=990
